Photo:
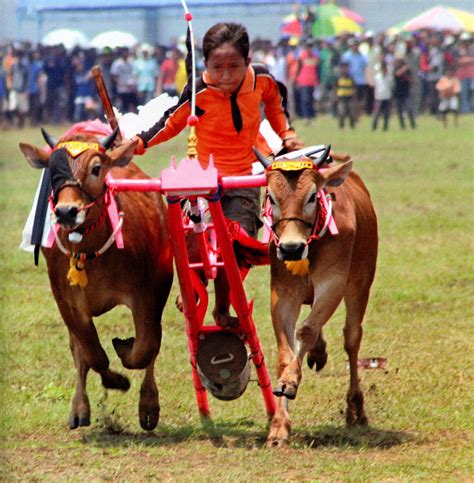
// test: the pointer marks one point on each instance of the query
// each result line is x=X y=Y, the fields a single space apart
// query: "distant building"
x=149 y=20
x=162 y=20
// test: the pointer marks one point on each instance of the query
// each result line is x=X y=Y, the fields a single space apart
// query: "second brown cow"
x=339 y=267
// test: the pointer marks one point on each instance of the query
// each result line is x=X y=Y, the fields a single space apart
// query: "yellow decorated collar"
x=75 y=148
x=288 y=165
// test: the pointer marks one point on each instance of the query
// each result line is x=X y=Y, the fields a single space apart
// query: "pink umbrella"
x=352 y=15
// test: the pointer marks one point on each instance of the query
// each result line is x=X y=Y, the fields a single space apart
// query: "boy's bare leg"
x=222 y=306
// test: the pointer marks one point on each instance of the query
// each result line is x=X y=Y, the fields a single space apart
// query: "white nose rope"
x=99 y=252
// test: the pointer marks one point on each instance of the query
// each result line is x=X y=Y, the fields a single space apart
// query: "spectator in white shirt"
x=383 y=91
x=125 y=81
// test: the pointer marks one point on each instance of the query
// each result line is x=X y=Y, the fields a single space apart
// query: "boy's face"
x=226 y=68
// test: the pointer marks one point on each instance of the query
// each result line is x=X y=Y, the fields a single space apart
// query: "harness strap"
x=322 y=222
x=111 y=208
x=82 y=256
x=114 y=211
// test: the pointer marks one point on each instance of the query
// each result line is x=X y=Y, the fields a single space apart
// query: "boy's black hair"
x=226 y=33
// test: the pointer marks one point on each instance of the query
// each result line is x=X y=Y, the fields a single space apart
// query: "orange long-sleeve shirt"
x=216 y=132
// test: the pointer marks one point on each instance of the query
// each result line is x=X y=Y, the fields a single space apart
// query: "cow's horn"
x=49 y=139
x=107 y=141
x=324 y=158
x=265 y=161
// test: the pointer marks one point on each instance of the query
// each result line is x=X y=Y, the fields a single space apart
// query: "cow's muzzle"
x=69 y=215
x=292 y=251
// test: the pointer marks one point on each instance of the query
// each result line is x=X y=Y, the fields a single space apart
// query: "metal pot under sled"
x=223 y=365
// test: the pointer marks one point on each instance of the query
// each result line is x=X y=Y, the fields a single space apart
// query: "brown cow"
x=138 y=276
x=340 y=267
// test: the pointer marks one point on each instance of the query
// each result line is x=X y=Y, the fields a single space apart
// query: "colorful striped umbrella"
x=333 y=20
x=437 y=18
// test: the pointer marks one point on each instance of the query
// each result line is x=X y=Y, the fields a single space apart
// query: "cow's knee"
x=135 y=355
x=306 y=336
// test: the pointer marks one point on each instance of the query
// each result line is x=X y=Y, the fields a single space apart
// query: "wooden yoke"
x=106 y=103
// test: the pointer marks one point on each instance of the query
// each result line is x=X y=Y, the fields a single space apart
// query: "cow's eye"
x=312 y=198
x=95 y=170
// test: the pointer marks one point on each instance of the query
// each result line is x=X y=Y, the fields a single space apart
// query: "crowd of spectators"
x=347 y=76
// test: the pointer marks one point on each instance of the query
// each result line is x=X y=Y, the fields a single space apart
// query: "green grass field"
x=420 y=317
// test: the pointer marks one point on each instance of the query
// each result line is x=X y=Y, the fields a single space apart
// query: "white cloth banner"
x=28 y=229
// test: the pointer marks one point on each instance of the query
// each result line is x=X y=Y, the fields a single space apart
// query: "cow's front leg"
x=84 y=331
x=142 y=351
x=138 y=352
x=328 y=295
x=285 y=312
x=149 y=406
x=356 y=303
x=80 y=408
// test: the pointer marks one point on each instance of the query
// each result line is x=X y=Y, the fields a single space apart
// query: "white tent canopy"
x=68 y=37
x=113 y=39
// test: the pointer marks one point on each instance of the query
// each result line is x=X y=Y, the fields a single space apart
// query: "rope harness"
x=63 y=178
x=77 y=274
x=318 y=227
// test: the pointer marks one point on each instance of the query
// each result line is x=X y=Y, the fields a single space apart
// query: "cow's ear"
x=38 y=158
x=123 y=154
x=336 y=175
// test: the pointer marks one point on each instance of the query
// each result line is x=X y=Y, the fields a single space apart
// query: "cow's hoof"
x=73 y=422
x=287 y=390
x=149 y=407
x=279 y=434
x=278 y=442
x=114 y=380
x=353 y=419
x=76 y=421
x=317 y=358
x=355 y=414
x=149 y=418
